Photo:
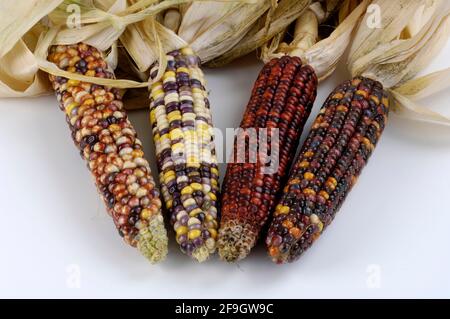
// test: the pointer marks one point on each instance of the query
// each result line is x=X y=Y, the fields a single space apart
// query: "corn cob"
x=107 y=141
x=182 y=131
x=341 y=141
x=282 y=98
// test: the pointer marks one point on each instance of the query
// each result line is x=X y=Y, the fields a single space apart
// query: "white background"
x=390 y=239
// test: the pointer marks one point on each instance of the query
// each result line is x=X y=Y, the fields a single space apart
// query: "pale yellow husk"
x=325 y=55
x=105 y=24
x=283 y=14
x=395 y=53
x=212 y=28
x=29 y=27
x=18 y=66
x=172 y=19
x=322 y=54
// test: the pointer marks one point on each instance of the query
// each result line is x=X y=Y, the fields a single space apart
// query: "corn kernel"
x=195 y=233
x=309 y=191
x=182 y=230
x=308 y=176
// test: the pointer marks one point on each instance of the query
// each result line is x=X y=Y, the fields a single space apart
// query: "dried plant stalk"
x=323 y=55
x=103 y=22
x=284 y=14
x=172 y=19
x=212 y=28
x=17 y=42
x=394 y=57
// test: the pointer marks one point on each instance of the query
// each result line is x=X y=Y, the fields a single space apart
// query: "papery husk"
x=172 y=19
x=41 y=54
x=19 y=74
x=406 y=97
x=141 y=43
x=23 y=52
x=209 y=27
x=101 y=27
x=325 y=54
x=285 y=12
x=212 y=28
x=346 y=8
x=306 y=34
x=388 y=56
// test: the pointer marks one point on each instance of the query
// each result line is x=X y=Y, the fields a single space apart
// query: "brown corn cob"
x=101 y=130
x=338 y=146
x=282 y=98
x=182 y=130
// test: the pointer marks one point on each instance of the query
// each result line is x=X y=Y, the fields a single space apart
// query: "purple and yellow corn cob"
x=182 y=132
x=337 y=148
x=107 y=141
x=282 y=98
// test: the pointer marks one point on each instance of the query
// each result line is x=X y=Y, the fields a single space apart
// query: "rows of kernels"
x=341 y=141
x=182 y=131
x=107 y=141
x=282 y=99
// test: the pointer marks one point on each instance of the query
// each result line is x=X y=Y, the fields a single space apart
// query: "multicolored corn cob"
x=282 y=98
x=107 y=140
x=183 y=134
x=341 y=141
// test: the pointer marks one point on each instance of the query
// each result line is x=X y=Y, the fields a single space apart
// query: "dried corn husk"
x=323 y=55
x=212 y=28
x=284 y=13
x=172 y=19
x=18 y=67
x=395 y=53
x=105 y=24
x=346 y=8
x=209 y=27
x=23 y=50
x=146 y=40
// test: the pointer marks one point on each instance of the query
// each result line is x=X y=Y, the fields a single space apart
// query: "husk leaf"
x=284 y=14
x=102 y=27
x=19 y=33
x=394 y=56
x=172 y=19
x=212 y=28
x=140 y=42
x=406 y=97
x=18 y=17
x=23 y=52
x=325 y=55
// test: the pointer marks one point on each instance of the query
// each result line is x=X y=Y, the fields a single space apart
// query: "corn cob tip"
x=235 y=241
x=201 y=254
x=283 y=250
x=153 y=241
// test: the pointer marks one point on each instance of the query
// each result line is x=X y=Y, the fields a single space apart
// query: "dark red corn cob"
x=282 y=98
x=338 y=146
